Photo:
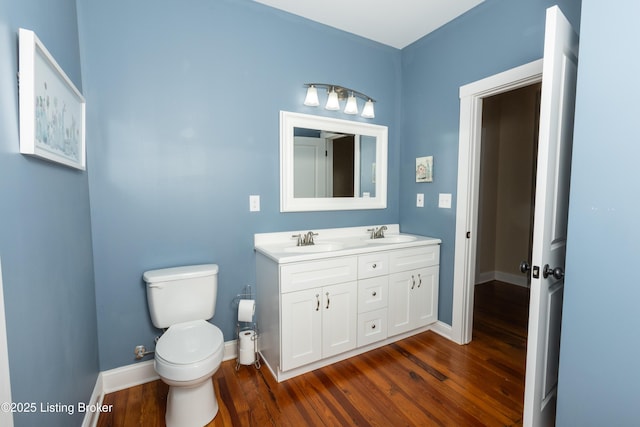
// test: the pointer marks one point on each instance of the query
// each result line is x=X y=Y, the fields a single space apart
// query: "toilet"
x=190 y=351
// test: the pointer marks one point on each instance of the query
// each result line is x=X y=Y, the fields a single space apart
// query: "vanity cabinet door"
x=339 y=318
x=413 y=299
x=318 y=323
x=400 y=294
x=301 y=332
x=424 y=308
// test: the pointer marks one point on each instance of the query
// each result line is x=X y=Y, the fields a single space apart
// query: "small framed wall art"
x=424 y=169
x=52 y=109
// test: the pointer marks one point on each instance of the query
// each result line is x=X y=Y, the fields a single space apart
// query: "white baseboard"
x=443 y=330
x=501 y=276
x=132 y=375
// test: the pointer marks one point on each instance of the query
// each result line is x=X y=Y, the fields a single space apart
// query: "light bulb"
x=367 y=111
x=352 y=105
x=332 y=101
x=312 y=97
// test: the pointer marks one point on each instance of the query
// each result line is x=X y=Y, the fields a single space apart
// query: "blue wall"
x=45 y=237
x=599 y=380
x=493 y=37
x=183 y=126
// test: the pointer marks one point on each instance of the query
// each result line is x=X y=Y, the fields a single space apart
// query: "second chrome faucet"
x=377 y=232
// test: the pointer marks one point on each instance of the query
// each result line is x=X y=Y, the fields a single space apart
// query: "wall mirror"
x=331 y=164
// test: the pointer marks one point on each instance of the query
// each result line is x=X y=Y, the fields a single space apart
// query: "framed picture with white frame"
x=424 y=169
x=52 y=109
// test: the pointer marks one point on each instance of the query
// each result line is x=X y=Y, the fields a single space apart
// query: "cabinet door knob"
x=374 y=294
x=374 y=265
x=373 y=326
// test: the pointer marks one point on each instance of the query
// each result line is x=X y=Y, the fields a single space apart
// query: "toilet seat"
x=189 y=350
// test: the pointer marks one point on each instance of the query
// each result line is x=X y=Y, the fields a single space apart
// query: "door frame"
x=466 y=236
x=6 y=417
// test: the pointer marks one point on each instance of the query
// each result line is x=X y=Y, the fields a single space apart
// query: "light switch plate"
x=444 y=200
x=254 y=203
x=420 y=200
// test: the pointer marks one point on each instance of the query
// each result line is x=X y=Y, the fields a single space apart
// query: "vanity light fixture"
x=335 y=93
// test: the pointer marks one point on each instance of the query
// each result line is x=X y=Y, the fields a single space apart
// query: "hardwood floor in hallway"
x=424 y=380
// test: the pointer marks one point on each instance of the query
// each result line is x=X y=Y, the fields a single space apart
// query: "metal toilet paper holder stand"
x=246 y=326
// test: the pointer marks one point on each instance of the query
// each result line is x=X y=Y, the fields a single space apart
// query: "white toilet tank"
x=181 y=294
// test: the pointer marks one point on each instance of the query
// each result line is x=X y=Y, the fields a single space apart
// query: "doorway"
x=508 y=156
x=472 y=98
x=509 y=148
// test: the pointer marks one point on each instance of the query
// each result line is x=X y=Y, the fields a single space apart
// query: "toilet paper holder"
x=246 y=335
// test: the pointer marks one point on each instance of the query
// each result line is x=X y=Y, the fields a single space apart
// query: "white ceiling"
x=396 y=23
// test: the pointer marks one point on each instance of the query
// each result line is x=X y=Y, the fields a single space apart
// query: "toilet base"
x=191 y=406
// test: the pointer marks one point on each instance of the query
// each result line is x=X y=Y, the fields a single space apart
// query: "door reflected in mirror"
x=331 y=164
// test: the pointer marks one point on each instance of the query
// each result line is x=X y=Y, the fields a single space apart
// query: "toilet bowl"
x=187 y=356
x=190 y=351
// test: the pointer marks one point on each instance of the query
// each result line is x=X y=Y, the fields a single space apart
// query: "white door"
x=309 y=167
x=339 y=318
x=301 y=328
x=399 y=313
x=424 y=304
x=550 y=224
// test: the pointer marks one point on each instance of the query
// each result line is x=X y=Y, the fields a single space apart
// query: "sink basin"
x=318 y=247
x=391 y=239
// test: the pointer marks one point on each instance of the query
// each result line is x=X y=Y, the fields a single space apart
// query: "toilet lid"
x=189 y=342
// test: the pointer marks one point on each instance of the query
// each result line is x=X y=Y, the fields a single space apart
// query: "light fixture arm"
x=343 y=92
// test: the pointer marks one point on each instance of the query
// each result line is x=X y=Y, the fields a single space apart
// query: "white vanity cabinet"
x=314 y=310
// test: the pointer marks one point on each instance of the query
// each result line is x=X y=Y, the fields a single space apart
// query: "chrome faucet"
x=308 y=238
x=377 y=232
x=305 y=239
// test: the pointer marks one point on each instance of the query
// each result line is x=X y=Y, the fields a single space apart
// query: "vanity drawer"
x=373 y=293
x=372 y=327
x=306 y=275
x=372 y=265
x=412 y=258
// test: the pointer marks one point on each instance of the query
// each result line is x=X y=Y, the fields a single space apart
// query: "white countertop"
x=281 y=247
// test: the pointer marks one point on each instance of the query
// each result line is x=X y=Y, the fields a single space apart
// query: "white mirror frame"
x=288 y=203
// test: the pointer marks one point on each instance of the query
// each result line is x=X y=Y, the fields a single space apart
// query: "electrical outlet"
x=254 y=203
x=420 y=200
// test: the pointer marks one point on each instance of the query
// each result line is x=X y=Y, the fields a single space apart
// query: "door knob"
x=557 y=273
x=525 y=267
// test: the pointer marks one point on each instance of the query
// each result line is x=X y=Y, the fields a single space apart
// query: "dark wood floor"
x=421 y=381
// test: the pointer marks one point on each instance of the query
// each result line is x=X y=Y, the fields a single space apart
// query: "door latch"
x=536 y=272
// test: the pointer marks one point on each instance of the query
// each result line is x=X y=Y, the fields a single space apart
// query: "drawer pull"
x=373 y=326
x=374 y=294
x=374 y=265
x=328 y=300
x=317 y=302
